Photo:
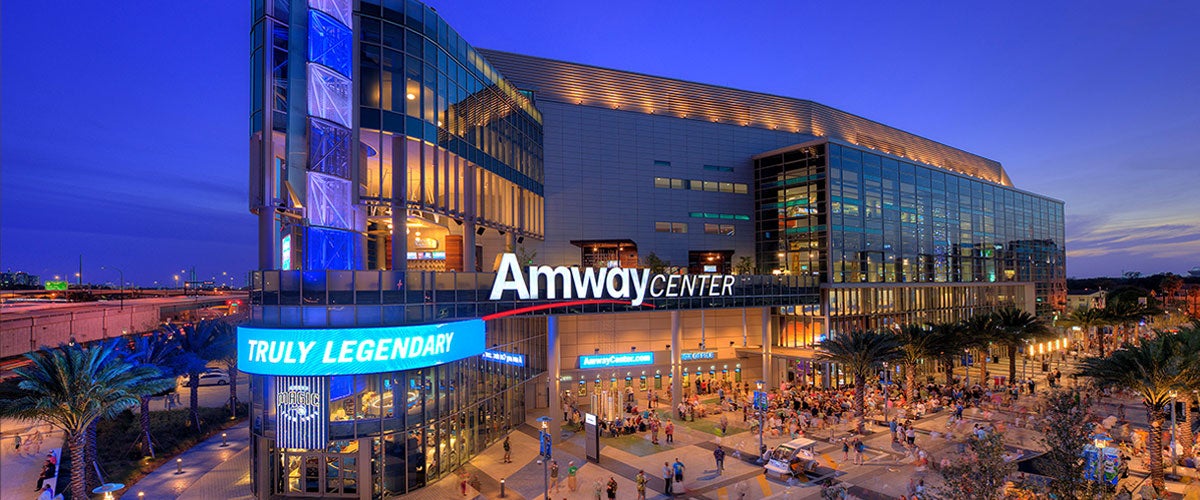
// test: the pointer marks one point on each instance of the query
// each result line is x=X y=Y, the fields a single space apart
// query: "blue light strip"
x=350 y=351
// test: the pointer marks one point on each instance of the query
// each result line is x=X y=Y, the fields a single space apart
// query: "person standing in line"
x=667 y=475
x=641 y=485
x=507 y=451
x=719 y=454
x=572 y=481
x=554 y=476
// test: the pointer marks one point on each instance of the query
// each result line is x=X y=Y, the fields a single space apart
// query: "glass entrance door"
x=318 y=474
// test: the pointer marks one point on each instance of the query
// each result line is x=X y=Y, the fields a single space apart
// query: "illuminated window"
x=670 y=227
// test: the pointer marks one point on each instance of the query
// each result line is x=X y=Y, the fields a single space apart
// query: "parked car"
x=208 y=377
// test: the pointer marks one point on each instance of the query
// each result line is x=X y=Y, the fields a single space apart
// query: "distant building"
x=19 y=280
x=1090 y=299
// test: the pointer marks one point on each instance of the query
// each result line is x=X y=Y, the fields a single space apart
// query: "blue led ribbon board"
x=613 y=360
x=352 y=351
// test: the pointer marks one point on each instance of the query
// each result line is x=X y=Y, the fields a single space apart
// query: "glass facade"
x=469 y=143
x=855 y=216
x=413 y=426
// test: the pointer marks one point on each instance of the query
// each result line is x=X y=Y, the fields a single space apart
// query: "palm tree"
x=1013 y=328
x=948 y=342
x=1154 y=369
x=860 y=353
x=163 y=351
x=1190 y=337
x=71 y=387
x=1089 y=319
x=203 y=342
x=916 y=344
x=1126 y=314
x=979 y=331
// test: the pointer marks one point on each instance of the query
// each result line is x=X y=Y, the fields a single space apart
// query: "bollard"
x=179 y=466
x=501 y=487
x=224 y=439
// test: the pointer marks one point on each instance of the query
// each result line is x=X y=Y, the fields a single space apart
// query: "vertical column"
x=469 y=221
x=676 y=375
x=399 y=206
x=553 y=374
x=768 y=375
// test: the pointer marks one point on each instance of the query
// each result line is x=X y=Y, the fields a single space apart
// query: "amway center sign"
x=634 y=285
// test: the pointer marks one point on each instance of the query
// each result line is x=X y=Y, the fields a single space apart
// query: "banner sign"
x=350 y=351
x=301 y=407
x=760 y=401
x=507 y=358
x=634 y=285
x=612 y=360
x=697 y=355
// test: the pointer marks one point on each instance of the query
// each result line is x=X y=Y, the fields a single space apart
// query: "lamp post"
x=545 y=446
x=762 y=410
x=122 y=273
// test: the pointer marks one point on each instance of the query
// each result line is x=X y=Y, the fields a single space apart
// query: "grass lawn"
x=119 y=448
x=637 y=444
x=714 y=428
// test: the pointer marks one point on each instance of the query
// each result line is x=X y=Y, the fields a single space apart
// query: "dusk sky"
x=124 y=126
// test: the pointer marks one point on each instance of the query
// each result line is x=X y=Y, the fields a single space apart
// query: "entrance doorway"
x=318 y=474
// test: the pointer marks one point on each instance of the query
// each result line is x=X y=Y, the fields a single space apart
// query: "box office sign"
x=301 y=409
x=697 y=355
x=634 y=285
x=351 y=351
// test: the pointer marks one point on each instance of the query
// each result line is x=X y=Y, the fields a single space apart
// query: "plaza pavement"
x=211 y=471
x=19 y=470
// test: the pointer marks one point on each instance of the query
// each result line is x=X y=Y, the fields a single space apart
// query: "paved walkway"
x=210 y=470
x=20 y=469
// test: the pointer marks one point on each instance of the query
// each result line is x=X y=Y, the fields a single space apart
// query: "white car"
x=209 y=377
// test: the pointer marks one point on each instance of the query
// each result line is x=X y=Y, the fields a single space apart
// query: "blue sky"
x=124 y=134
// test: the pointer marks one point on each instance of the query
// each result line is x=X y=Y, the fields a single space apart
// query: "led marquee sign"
x=507 y=358
x=349 y=351
x=612 y=360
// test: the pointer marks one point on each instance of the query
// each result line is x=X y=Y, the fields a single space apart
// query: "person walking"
x=17 y=443
x=845 y=450
x=554 y=476
x=667 y=474
x=572 y=481
x=612 y=488
x=724 y=425
x=507 y=451
x=597 y=488
x=670 y=430
x=719 y=454
x=859 y=447
x=678 y=469
x=641 y=484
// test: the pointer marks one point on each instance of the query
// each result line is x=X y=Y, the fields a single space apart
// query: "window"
x=662 y=163
x=725 y=229
x=717 y=168
x=677 y=184
x=662 y=182
x=670 y=227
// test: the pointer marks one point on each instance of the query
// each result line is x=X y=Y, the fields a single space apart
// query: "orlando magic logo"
x=299 y=403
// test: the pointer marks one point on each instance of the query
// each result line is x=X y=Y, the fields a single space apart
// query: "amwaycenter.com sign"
x=634 y=285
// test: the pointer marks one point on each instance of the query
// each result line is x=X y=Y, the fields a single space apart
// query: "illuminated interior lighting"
x=410 y=96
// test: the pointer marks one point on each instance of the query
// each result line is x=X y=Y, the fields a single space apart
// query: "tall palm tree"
x=163 y=351
x=860 y=353
x=1190 y=337
x=1126 y=314
x=948 y=343
x=1089 y=319
x=979 y=330
x=1013 y=328
x=71 y=387
x=203 y=342
x=916 y=344
x=1154 y=369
